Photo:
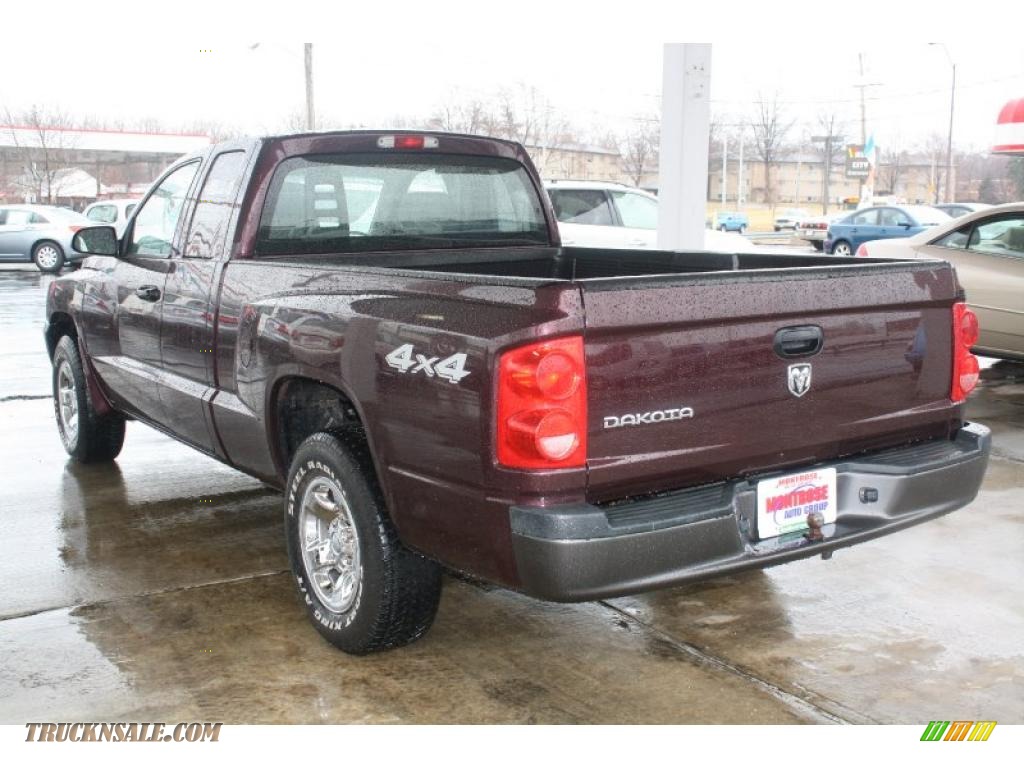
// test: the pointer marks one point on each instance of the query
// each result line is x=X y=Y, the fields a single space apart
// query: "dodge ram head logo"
x=800 y=379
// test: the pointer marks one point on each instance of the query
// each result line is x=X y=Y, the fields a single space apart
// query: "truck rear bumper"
x=586 y=552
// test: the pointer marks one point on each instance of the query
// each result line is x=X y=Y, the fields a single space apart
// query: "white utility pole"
x=725 y=168
x=683 y=166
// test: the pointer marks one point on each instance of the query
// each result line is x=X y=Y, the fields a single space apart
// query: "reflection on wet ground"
x=157 y=589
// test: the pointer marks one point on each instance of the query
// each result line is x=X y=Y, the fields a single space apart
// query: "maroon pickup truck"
x=385 y=327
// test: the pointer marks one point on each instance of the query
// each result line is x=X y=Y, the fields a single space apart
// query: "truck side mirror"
x=96 y=241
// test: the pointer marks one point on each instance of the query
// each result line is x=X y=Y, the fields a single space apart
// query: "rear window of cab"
x=322 y=204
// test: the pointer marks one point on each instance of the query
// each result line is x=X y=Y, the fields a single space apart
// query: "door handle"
x=798 y=341
x=148 y=292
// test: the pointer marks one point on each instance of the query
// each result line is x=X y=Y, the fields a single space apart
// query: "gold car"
x=987 y=249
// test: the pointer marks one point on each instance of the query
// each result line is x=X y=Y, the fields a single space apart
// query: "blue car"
x=880 y=223
x=731 y=221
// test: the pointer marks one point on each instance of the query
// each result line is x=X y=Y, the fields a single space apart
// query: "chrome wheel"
x=330 y=545
x=67 y=403
x=47 y=256
x=842 y=249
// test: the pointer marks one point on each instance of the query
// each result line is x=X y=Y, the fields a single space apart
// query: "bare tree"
x=40 y=137
x=934 y=147
x=527 y=116
x=890 y=169
x=639 y=150
x=770 y=127
x=473 y=116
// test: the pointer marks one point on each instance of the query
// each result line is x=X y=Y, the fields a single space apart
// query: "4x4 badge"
x=799 y=378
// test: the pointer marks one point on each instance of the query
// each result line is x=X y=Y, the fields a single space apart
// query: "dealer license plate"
x=783 y=503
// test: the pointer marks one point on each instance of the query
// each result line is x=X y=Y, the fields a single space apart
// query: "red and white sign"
x=1010 y=129
x=783 y=503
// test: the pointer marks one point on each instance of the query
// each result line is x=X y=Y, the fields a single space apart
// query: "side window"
x=956 y=239
x=17 y=218
x=153 y=231
x=214 y=207
x=865 y=218
x=581 y=206
x=891 y=217
x=128 y=210
x=37 y=218
x=636 y=211
x=3 y=218
x=105 y=214
x=1004 y=236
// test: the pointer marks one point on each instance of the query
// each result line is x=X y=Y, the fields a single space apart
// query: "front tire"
x=87 y=437
x=363 y=590
x=48 y=256
x=841 y=248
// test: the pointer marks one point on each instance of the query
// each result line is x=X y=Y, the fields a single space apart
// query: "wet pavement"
x=157 y=589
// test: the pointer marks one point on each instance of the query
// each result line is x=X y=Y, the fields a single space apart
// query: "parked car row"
x=42 y=234
x=596 y=214
x=845 y=235
x=987 y=249
x=39 y=233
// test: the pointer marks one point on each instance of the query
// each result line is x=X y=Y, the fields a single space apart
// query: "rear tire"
x=87 y=437
x=48 y=256
x=817 y=245
x=363 y=590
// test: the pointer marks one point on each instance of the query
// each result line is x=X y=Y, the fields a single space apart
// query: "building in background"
x=73 y=167
x=580 y=162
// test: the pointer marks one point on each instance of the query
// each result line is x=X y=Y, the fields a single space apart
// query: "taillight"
x=863 y=250
x=407 y=142
x=75 y=227
x=542 y=405
x=965 y=365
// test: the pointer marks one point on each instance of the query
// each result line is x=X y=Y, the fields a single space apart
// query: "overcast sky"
x=370 y=79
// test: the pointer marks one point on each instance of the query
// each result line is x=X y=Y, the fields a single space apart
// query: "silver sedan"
x=40 y=234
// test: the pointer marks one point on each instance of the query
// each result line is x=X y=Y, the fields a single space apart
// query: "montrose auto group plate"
x=783 y=503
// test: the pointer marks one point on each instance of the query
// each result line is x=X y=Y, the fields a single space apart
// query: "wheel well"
x=60 y=325
x=39 y=242
x=303 y=407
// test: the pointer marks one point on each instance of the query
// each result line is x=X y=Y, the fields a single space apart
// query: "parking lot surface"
x=157 y=588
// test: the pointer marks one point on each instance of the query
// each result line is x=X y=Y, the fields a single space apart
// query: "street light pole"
x=829 y=141
x=949 y=139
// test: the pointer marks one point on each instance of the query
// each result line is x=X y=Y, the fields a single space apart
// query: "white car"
x=600 y=214
x=815 y=228
x=112 y=212
x=790 y=219
x=961 y=209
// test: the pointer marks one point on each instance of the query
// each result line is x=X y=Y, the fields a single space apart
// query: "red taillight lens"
x=863 y=250
x=75 y=227
x=542 y=406
x=966 y=371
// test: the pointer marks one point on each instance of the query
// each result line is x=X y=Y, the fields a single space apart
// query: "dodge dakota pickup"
x=385 y=327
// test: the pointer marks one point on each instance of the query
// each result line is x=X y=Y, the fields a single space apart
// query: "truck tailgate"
x=686 y=385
